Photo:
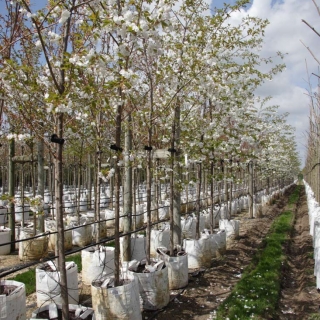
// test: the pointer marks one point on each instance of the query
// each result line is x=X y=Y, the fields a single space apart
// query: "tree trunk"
x=250 y=187
x=212 y=221
x=198 y=205
x=11 y=171
x=117 y=185
x=127 y=193
x=97 y=194
x=149 y=179
x=89 y=182
x=60 y=252
x=41 y=176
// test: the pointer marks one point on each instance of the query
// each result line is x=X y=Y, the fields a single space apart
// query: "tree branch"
x=312 y=28
x=310 y=52
x=318 y=9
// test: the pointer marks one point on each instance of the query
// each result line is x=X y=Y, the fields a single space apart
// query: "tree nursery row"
x=117 y=114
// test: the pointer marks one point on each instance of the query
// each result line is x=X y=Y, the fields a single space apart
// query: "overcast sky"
x=285 y=33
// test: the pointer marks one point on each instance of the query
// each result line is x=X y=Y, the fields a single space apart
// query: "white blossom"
x=64 y=16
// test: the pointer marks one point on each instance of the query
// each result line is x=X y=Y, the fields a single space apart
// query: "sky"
x=285 y=32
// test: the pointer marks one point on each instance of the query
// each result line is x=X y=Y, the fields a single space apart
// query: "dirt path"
x=208 y=289
x=299 y=297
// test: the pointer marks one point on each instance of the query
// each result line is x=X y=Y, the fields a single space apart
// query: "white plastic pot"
x=12 y=300
x=117 y=303
x=48 y=284
x=5 y=237
x=97 y=263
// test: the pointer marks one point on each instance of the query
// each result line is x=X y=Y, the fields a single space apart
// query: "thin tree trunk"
x=11 y=171
x=212 y=220
x=148 y=230
x=60 y=252
x=89 y=182
x=117 y=185
x=198 y=205
x=127 y=193
x=97 y=194
x=250 y=187
x=22 y=200
x=41 y=179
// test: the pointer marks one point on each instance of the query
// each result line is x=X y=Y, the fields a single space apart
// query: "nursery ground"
x=209 y=287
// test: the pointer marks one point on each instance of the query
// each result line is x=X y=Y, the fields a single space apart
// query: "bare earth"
x=209 y=287
x=299 y=296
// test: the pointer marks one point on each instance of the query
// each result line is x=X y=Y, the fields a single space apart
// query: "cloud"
x=285 y=33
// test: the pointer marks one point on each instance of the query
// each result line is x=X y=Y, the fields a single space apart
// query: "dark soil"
x=299 y=296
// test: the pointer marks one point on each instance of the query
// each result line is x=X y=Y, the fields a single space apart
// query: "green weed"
x=28 y=278
x=256 y=294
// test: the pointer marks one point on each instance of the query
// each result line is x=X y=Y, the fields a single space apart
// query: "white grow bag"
x=199 y=252
x=12 y=300
x=177 y=269
x=159 y=238
x=50 y=225
x=257 y=210
x=231 y=227
x=219 y=239
x=109 y=216
x=97 y=263
x=153 y=288
x=48 y=287
x=18 y=213
x=3 y=215
x=116 y=303
x=138 y=248
x=33 y=249
x=188 y=227
x=82 y=235
x=53 y=311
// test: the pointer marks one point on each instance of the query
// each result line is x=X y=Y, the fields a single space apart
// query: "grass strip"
x=256 y=295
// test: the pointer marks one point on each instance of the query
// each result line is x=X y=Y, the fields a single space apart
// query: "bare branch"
x=318 y=9
x=312 y=28
x=310 y=52
x=315 y=75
